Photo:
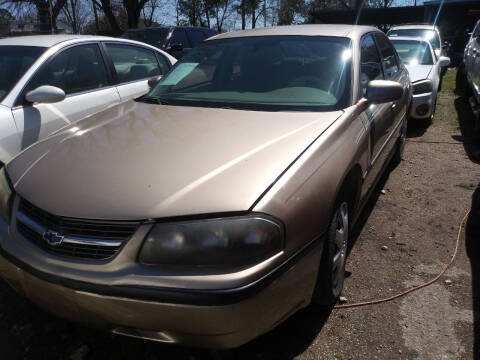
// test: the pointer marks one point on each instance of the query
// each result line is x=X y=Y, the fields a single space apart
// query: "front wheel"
x=332 y=267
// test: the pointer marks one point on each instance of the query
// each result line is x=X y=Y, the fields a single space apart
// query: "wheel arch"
x=350 y=188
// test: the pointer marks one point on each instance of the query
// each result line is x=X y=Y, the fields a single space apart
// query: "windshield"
x=270 y=73
x=430 y=35
x=155 y=37
x=413 y=52
x=14 y=62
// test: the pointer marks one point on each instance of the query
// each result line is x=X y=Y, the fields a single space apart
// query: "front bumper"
x=422 y=100
x=212 y=318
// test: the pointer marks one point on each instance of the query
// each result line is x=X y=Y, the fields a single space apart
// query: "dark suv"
x=177 y=41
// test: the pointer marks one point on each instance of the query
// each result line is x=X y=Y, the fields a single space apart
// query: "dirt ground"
x=416 y=217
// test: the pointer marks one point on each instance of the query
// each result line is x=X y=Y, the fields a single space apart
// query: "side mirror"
x=176 y=47
x=444 y=61
x=45 y=94
x=154 y=81
x=383 y=91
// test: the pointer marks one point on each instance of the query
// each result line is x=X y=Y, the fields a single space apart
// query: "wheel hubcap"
x=340 y=222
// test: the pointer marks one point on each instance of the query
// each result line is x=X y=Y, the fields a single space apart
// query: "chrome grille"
x=89 y=239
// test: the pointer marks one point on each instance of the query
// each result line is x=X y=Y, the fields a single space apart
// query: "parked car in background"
x=455 y=46
x=425 y=73
x=215 y=207
x=468 y=75
x=49 y=81
x=424 y=31
x=177 y=41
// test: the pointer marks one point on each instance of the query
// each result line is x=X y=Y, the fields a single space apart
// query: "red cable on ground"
x=412 y=289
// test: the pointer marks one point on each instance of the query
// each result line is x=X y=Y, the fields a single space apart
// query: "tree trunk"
x=264 y=13
x=74 y=17
x=43 y=13
x=254 y=19
x=243 y=14
x=95 y=15
x=107 y=10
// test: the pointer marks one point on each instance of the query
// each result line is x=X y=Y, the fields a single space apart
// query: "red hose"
x=412 y=289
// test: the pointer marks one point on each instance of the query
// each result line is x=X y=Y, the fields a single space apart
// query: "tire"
x=398 y=156
x=332 y=266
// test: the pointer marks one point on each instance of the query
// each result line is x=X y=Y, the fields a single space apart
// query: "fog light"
x=422 y=109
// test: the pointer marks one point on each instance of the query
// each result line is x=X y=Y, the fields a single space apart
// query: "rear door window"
x=133 y=62
x=179 y=37
x=196 y=36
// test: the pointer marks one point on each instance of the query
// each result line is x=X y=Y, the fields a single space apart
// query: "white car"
x=49 y=81
x=424 y=31
x=425 y=72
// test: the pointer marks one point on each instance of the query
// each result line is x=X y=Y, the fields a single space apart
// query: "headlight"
x=5 y=195
x=228 y=242
x=422 y=87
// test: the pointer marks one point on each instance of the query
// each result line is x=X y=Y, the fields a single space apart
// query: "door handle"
x=393 y=107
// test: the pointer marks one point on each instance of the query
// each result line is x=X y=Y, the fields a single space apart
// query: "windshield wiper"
x=148 y=99
x=152 y=100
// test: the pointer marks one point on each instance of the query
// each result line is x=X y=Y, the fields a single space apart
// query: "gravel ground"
x=415 y=219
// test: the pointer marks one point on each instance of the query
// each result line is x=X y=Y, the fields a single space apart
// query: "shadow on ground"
x=417 y=128
x=472 y=244
x=471 y=141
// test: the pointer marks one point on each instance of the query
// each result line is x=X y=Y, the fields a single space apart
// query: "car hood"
x=144 y=161
x=418 y=72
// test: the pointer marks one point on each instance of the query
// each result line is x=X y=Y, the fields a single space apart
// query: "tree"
x=192 y=10
x=134 y=9
x=5 y=17
x=107 y=8
x=47 y=11
x=253 y=6
x=149 y=11
x=221 y=12
x=288 y=9
x=75 y=15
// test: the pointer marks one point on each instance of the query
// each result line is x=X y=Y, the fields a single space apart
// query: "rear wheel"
x=332 y=267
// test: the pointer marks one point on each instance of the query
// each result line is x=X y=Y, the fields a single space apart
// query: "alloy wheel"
x=340 y=227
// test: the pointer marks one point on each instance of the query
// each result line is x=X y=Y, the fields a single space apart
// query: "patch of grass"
x=448 y=82
x=469 y=186
x=445 y=112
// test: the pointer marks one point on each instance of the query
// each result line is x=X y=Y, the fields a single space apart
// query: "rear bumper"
x=210 y=318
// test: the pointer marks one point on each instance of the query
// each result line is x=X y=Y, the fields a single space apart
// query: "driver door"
x=80 y=72
x=377 y=116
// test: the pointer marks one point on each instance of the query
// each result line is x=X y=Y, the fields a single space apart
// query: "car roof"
x=414 y=26
x=48 y=40
x=410 y=38
x=171 y=27
x=350 y=31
